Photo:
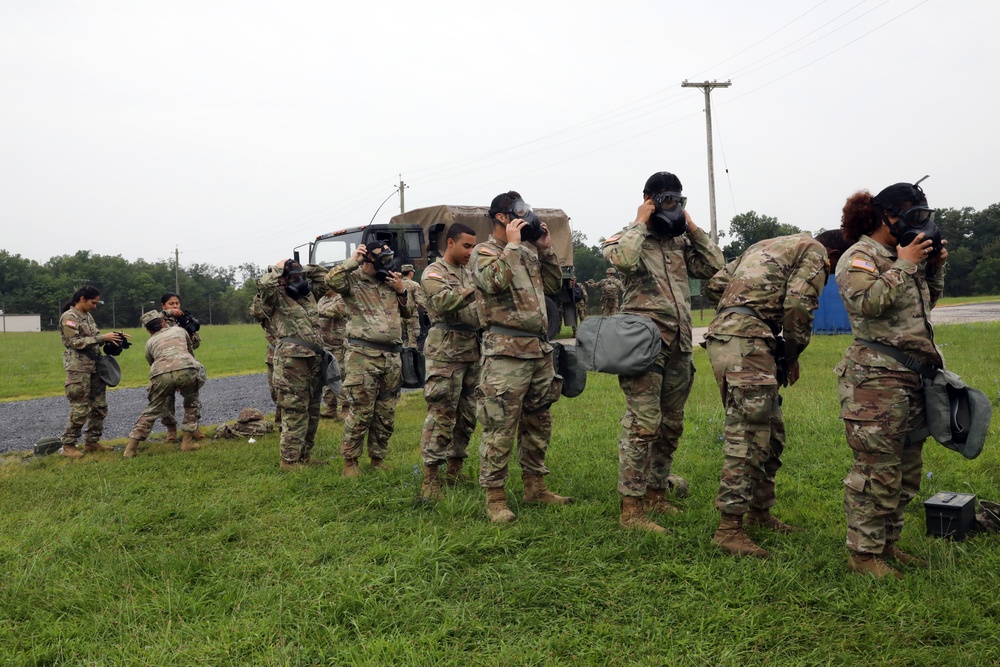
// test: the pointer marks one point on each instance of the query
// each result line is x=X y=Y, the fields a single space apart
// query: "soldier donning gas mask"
x=532 y=231
x=296 y=285
x=918 y=219
x=381 y=261
x=668 y=217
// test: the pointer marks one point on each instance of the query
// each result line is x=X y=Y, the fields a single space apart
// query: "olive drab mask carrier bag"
x=619 y=344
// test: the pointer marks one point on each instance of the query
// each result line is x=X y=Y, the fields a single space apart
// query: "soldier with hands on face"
x=766 y=298
x=173 y=315
x=890 y=279
x=88 y=404
x=377 y=300
x=657 y=254
x=453 y=361
x=288 y=304
x=513 y=271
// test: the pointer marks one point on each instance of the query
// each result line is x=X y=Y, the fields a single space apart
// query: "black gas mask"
x=668 y=217
x=381 y=261
x=913 y=221
x=296 y=285
x=532 y=231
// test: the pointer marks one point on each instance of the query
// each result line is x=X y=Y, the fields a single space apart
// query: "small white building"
x=20 y=323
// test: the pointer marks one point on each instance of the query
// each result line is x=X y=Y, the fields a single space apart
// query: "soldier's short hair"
x=502 y=203
x=457 y=229
x=662 y=181
x=167 y=297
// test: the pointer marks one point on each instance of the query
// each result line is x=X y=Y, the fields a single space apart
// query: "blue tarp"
x=831 y=316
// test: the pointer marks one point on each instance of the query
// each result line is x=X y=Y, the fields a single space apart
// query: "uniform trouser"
x=879 y=408
x=513 y=400
x=653 y=421
x=609 y=308
x=161 y=392
x=755 y=429
x=451 y=409
x=87 y=405
x=371 y=386
x=297 y=383
x=331 y=400
x=169 y=417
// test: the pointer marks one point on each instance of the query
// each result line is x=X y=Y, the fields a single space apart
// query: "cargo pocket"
x=855 y=481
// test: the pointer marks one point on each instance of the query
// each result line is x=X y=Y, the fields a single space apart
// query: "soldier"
x=658 y=253
x=580 y=302
x=84 y=388
x=453 y=361
x=769 y=291
x=333 y=331
x=257 y=312
x=173 y=315
x=611 y=292
x=378 y=301
x=172 y=368
x=411 y=325
x=288 y=303
x=517 y=385
x=890 y=280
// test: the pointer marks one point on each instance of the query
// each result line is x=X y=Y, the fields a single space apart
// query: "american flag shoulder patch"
x=613 y=238
x=863 y=264
x=434 y=274
x=71 y=323
x=486 y=250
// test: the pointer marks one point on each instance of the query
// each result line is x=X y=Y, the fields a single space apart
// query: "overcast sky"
x=237 y=130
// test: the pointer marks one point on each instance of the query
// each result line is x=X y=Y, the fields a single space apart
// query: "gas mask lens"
x=381 y=260
x=521 y=209
x=668 y=200
x=918 y=216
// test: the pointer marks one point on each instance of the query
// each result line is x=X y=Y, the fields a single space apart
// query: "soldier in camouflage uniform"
x=611 y=290
x=657 y=266
x=518 y=382
x=172 y=368
x=333 y=330
x=889 y=291
x=173 y=315
x=411 y=325
x=378 y=301
x=771 y=290
x=453 y=361
x=84 y=388
x=257 y=312
x=288 y=303
x=579 y=302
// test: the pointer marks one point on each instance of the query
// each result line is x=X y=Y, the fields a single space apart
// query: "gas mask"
x=382 y=261
x=668 y=217
x=532 y=231
x=918 y=219
x=296 y=285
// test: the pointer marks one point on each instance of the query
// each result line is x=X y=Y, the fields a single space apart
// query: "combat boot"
x=453 y=474
x=171 y=434
x=656 y=503
x=535 y=492
x=871 y=564
x=633 y=516
x=188 y=444
x=678 y=486
x=96 y=447
x=197 y=434
x=900 y=556
x=71 y=452
x=377 y=464
x=496 y=505
x=351 y=468
x=131 y=449
x=731 y=538
x=765 y=519
x=431 y=488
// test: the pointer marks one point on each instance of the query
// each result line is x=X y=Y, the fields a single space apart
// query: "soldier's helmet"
x=612 y=271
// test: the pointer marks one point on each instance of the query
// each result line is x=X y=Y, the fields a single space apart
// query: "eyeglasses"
x=668 y=200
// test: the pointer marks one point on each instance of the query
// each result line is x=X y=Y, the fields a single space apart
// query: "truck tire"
x=555 y=319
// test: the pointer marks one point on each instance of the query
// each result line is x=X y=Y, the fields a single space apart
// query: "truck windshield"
x=336 y=249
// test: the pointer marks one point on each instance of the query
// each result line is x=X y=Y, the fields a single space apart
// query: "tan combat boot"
x=188 y=444
x=871 y=564
x=197 y=434
x=431 y=488
x=633 y=516
x=765 y=519
x=535 y=492
x=731 y=538
x=171 y=434
x=96 y=447
x=453 y=474
x=378 y=465
x=656 y=503
x=351 y=468
x=131 y=449
x=496 y=505
x=900 y=556
x=71 y=452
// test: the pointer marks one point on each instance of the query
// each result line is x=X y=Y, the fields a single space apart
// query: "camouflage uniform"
x=611 y=294
x=250 y=423
x=780 y=279
x=257 y=312
x=297 y=380
x=84 y=389
x=168 y=417
x=411 y=324
x=333 y=331
x=453 y=362
x=172 y=368
x=881 y=401
x=656 y=272
x=518 y=382
x=372 y=377
x=581 y=307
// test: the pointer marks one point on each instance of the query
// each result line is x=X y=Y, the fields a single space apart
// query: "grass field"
x=217 y=558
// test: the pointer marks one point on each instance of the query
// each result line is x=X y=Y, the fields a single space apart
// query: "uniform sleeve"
x=73 y=338
x=802 y=290
x=327 y=308
x=338 y=277
x=865 y=290
x=149 y=352
x=445 y=297
x=267 y=289
x=408 y=305
x=551 y=271
x=703 y=257
x=492 y=272
x=195 y=341
x=935 y=281
x=256 y=309
x=624 y=250
x=717 y=284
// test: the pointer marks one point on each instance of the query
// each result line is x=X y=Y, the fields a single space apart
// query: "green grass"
x=961 y=300
x=217 y=558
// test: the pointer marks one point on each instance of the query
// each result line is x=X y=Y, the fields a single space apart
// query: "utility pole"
x=402 y=200
x=177 y=269
x=707 y=87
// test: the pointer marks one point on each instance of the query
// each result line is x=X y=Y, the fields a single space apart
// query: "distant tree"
x=748 y=228
x=588 y=262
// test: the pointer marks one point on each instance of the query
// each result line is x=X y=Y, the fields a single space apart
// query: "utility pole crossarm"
x=708 y=87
